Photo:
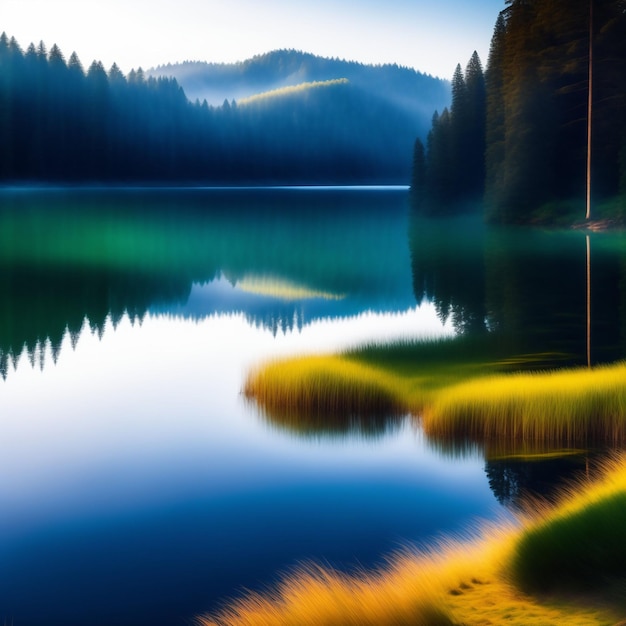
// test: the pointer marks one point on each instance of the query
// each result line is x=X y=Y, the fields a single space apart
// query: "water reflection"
x=326 y=425
x=448 y=268
x=70 y=255
x=514 y=480
x=143 y=486
x=528 y=286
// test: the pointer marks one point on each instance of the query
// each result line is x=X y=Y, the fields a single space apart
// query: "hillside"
x=324 y=119
x=408 y=89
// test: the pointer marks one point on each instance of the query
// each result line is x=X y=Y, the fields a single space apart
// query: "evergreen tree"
x=452 y=169
x=460 y=134
x=537 y=88
x=418 y=175
x=59 y=123
x=495 y=119
x=476 y=120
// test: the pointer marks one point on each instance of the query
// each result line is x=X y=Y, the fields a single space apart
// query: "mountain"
x=408 y=89
x=303 y=118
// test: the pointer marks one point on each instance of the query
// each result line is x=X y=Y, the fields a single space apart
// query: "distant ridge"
x=343 y=120
x=410 y=90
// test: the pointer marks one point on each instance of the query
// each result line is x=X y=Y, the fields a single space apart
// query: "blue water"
x=137 y=486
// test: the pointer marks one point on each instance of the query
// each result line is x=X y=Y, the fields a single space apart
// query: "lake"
x=140 y=487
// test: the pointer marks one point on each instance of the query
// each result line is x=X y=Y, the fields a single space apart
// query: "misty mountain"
x=330 y=131
x=410 y=91
x=303 y=118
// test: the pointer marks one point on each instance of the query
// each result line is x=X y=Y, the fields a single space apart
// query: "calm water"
x=137 y=485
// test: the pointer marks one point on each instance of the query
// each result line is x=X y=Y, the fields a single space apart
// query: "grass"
x=564 y=213
x=581 y=545
x=556 y=408
x=321 y=597
x=461 y=390
x=561 y=565
x=311 y=385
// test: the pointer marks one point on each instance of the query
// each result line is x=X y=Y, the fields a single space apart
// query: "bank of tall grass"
x=371 y=380
x=561 y=565
x=325 y=384
x=560 y=407
x=461 y=391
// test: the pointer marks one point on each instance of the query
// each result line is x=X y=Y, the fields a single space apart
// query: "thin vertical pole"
x=589 y=109
x=588 y=302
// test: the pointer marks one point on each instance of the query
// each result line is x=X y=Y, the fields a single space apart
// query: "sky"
x=431 y=36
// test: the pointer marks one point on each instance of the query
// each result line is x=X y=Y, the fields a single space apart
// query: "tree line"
x=62 y=123
x=530 y=136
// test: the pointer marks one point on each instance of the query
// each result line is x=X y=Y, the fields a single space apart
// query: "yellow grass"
x=325 y=384
x=468 y=582
x=561 y=407
x=531 y=411
x=480 y=581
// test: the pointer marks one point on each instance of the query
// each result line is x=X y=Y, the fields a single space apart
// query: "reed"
x=368 y=381
x=460 y=392
x=320 y=597
x=561 y=408
x=319 y=385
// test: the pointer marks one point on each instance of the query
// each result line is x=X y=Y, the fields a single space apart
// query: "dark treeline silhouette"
x=60 y=123
x=513 y=480
x=67 y=256
x=448 y=268
x=449 y=171
x=534 y=146
x=527 y=289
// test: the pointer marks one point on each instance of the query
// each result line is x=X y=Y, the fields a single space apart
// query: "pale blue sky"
x=430 y=35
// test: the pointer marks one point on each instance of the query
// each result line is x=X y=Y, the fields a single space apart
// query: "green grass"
x=580 y=545
x=565 y=213
x=576 y=552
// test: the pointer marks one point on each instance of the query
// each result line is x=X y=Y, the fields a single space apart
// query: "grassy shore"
x=564 y=564
x=563 y=407
x=461 y=391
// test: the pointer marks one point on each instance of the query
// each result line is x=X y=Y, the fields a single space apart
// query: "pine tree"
x=495 y=120
x=476 y=97
x=459 y=134
x=418 y=176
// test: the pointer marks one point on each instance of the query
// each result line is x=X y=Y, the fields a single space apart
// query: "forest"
x=514 y=141
x=404 y=87
x=60 y=123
